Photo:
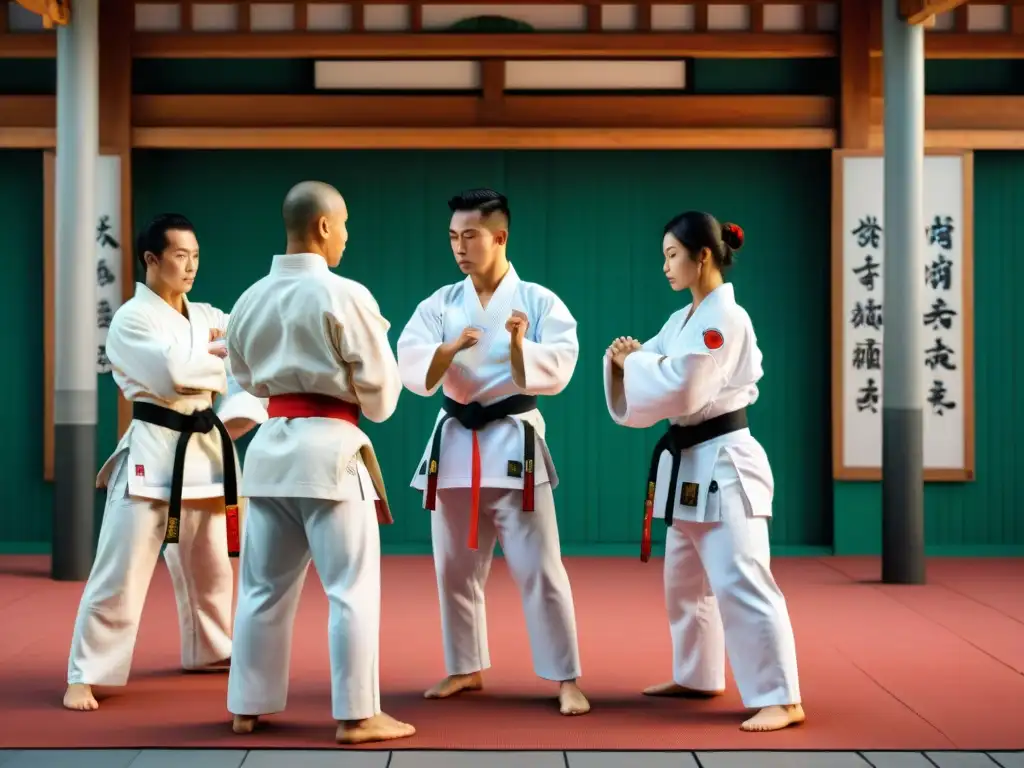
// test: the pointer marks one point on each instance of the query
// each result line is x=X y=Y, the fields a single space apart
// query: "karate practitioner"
x=316 y=345
x=166 y=360
x=496 y=343
x=710 y=480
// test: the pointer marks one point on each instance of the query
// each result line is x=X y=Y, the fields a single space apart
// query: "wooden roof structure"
x=490 y=111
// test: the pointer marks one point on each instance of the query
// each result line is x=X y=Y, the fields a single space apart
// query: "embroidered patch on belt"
x=423 y=468
x=688 y=496
x=713 y=488
x=515 y=469
x=140 y=470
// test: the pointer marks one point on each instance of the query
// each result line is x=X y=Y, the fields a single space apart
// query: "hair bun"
x=732 y=235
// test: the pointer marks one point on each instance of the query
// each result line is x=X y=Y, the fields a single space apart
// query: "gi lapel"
x=199 y=329
x=492 y=319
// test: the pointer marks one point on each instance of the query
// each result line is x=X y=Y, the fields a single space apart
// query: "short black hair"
x=486 y=201
x=697 y=230
x=153 y=237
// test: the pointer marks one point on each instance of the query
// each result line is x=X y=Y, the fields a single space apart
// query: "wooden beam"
x=967 y=45
x=855 y=73
x=604 y=45
x=457 y=112
x=966 y=113
x=686 y=122
x=924 y=11
x=483 y=138
x=28 y=138
x=28 y=45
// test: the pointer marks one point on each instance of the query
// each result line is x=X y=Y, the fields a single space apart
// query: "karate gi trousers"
x=282 y=536
x=530 y=543
x=720 y=595
x=131 y=536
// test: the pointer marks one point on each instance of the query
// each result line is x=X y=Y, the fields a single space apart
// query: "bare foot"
x=680 y=691
x=244 y=723
x=79 y=696
x=775 y=718
x=571 y=700
x=380 y=727
x=456 y=684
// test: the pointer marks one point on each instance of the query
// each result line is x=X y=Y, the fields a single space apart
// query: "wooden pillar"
x=117 y=22
x=855 y=73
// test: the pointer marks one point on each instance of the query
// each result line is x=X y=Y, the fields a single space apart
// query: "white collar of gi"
x=723 y=293
x=299 y=262
x=144 y=293
x=502 y=294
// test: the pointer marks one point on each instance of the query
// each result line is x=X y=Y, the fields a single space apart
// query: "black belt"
x=474 y=416
x=198 y=423
x=678 y=439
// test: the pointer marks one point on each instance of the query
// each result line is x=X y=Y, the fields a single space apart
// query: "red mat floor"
x=882 y=668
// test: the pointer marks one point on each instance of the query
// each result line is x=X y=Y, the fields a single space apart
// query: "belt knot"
x=203 y=421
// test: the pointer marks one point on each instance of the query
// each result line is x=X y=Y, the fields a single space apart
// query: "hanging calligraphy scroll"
x=107 y=247
x=858 y=255
x=108 y=251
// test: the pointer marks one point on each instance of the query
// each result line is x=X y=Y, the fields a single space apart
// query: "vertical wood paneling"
x=588 y=225
x=25 y=499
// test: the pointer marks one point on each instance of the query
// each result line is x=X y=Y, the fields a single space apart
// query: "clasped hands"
x=217 y=346
x=621 y=348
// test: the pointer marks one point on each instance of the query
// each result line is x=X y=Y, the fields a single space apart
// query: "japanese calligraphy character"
x=867 y=397
x=103 y=274
x=103 y=236
x=939 y=274
x=939 y=314
x=867 y=354
x=867 y=232
x=868 y=272
x=868 y=314
x=939 y=356
x=937 y=398
x=104 y=314
x=941 y=232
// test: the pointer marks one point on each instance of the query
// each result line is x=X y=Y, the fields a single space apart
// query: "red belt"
x=307 y=406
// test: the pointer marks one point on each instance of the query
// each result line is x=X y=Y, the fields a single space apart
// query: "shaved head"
x=314 y=219
x=305 y=203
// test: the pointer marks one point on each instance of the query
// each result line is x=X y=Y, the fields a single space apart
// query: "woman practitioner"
x=710 y=480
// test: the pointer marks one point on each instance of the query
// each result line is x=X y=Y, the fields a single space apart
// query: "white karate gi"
x=311 y=483
x=529 y=540
x=154 y=351
x=718 y=547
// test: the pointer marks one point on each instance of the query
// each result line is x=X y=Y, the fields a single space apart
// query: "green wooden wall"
x=586 y=224
x=985 y=517
x=26 y=502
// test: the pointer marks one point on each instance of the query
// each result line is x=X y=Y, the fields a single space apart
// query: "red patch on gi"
x=140 y=471
x=713 y=338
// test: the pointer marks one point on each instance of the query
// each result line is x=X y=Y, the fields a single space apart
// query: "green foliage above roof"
x=490 y=25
